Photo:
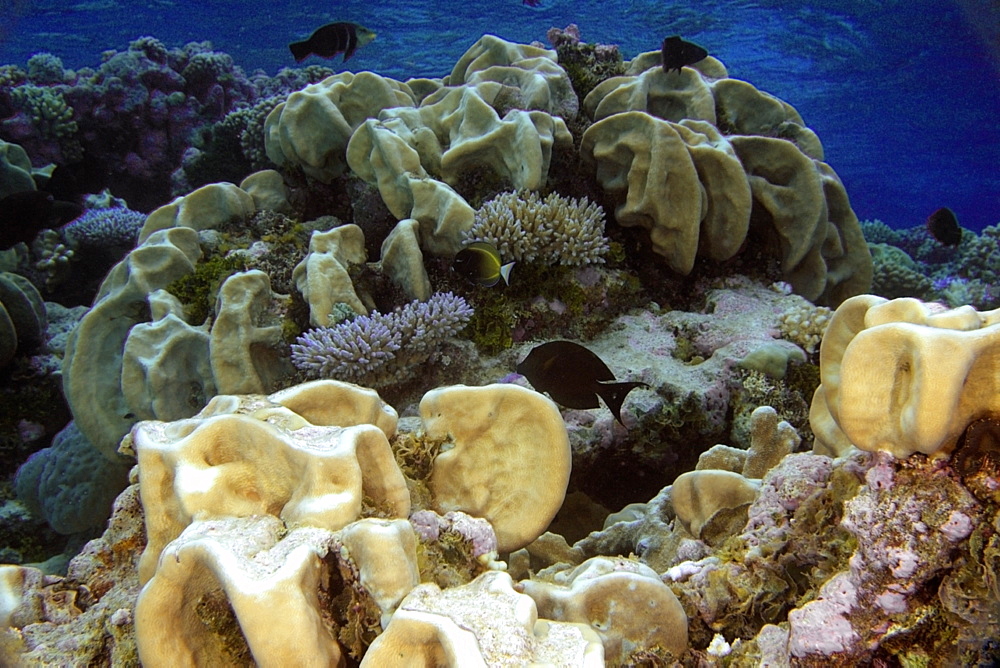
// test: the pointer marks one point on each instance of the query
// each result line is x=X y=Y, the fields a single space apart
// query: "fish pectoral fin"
x=352 y=42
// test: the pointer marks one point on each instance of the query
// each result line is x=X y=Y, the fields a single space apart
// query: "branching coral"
x=45 y=68
x=895 y=274
x=251 y=122
x=105 y=227
x=49 y=113
x=54 y=258
x=370 y=347
x=527 y=228
x=877 y=232
x=804 y=324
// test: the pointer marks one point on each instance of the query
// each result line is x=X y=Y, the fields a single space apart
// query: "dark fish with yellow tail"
x=575 y=377
x=943 y=226
x=480 y=263
x=331 y=39
x=677 y=53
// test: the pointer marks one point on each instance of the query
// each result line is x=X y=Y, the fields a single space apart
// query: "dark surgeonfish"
x=480 y=263
x=24 y=214
x=943 y=226
x=574 y=377
x=677 y=53
x=331 y=39
x=71 y=181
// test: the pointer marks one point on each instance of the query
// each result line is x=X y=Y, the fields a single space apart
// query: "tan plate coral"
x=903 y=376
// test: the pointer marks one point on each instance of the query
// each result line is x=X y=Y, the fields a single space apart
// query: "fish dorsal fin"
x=614 y=395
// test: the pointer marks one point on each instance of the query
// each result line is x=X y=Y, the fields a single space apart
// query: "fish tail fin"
x=300 y=51
x=614 y=396
x=505 y=272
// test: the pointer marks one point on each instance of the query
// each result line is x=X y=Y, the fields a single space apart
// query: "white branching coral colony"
x=526 y=228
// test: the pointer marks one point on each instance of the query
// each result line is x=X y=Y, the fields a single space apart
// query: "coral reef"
x=136 y=114
x=911 y=263
x=308 y=511
x=258 y=503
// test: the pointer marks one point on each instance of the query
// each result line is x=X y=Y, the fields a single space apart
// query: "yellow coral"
x=805 y=324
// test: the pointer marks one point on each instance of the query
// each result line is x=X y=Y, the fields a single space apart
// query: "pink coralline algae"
x=958 y=527
x=822 y=626
x=882 y=473
x=476 y=531
x=783 y=489
x=907 y=520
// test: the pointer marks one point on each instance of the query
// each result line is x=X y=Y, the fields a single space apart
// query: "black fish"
x=480 y=263
x=331 y=39
x=532 y=3
x=69 y=182
x=574 y=377
x=677 y=53
x=943 y=226
x=24 y=214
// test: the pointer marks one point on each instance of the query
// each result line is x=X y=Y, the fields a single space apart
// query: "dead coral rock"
x=86 y=618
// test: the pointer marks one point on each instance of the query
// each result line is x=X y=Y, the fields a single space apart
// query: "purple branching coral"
x=105 y=227
x=371 y=348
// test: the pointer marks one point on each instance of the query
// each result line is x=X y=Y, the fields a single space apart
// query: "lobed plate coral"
x=304 y=525
x=902 y=376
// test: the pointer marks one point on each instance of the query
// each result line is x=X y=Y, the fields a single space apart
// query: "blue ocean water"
x=905 y=95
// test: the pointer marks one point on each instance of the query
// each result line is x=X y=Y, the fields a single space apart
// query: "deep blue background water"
x=905 y=95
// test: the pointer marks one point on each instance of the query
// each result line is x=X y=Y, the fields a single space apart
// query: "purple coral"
x=133 y=116
x=477 y=531
x=368 y=345
x=101 y=228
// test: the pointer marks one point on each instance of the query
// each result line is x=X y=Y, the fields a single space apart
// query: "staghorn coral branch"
x=370 y=347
